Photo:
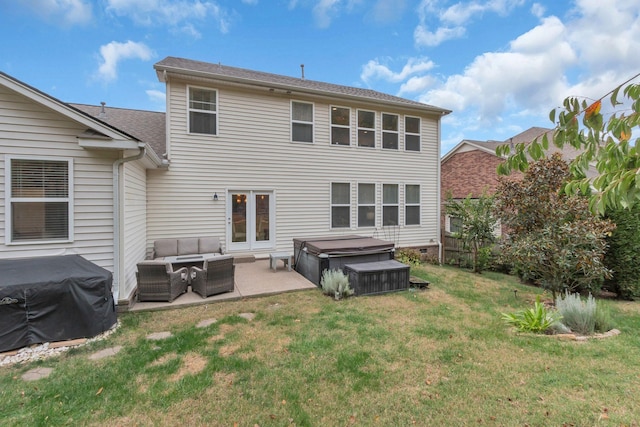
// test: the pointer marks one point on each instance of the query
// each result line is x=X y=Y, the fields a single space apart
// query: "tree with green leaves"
x=553 y=238
x=605 y=141
x=478 y=225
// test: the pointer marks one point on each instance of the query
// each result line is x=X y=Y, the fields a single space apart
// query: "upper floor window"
x=412 y=204
x=301 y=121
x=366 y=128
x=366 y=205
x=412 y=133
x=390 y=131
x=203 y=111
x=390 y=204
x=340 y=126
x=340 y=205
x=38 y=200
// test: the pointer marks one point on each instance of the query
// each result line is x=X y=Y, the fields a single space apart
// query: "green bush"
x=335 y=283
x=623 y=254
x=408 y=256
x=603 y=322
x=537 y=319
x=577 y=315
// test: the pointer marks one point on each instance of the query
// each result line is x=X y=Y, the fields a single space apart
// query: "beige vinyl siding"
x=134 y=228
x=29 y=129
x=253 y=151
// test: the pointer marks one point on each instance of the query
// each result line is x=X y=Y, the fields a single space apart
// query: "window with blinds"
x=39 y=200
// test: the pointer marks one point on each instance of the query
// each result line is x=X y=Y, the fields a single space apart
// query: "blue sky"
x=500 y=65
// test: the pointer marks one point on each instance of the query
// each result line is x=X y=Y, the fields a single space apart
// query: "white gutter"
x=116 y=218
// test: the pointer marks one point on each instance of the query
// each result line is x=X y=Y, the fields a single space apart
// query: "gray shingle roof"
x=147 y=126
x=223 y=72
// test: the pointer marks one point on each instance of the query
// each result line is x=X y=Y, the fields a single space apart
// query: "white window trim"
x=383 y=131
x=339 y=205
x=359 y=128
x=396 y=204
x=312 y=122
x=407 y=204
x=8 y=200
x=189 y=110
x=375 y=218
x=419 y=134
x=332 y=125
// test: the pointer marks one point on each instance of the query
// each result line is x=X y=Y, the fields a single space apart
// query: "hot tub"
x=314 y=255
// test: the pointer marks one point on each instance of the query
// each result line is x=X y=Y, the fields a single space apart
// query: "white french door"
x=250 y=220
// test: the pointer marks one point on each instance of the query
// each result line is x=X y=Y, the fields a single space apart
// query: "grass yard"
x=437 y=357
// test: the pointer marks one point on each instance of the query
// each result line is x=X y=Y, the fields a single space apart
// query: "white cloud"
x=450 y=22
x=424 y=37
x=375 y=70
x=178 y=13
x=156 y=96
x=388 y=10
x=68 y=12
x=114 y=52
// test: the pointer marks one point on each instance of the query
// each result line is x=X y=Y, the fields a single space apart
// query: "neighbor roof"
x=257 y=78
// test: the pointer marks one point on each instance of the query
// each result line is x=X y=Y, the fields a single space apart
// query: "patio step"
x=238 y=259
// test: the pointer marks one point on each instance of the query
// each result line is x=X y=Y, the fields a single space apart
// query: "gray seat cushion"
x=188 y=246
x=209 y=245
x=165 y=247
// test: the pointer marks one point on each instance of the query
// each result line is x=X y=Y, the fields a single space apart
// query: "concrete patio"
x=251 y=279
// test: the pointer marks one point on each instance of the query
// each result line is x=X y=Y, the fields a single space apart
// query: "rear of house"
x=260 y=159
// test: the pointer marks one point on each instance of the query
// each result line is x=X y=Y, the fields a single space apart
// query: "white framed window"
x=366 y=205
x=366 y=128
x=38 y=199
x=203 y=111
x=340 y=125
x=390 y=131
x=412 y=204
x=390 y=206
x=411 y=133
x=301 y=121
x=340 y=205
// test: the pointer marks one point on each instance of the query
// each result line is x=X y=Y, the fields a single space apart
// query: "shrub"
x=577 y=315
x=335 y=283
x=623 y=254
x=537 y=319
x=408 y=256
x=603 y=321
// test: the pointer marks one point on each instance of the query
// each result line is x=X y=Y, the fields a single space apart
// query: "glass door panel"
x=251 y=220
x=238 y=218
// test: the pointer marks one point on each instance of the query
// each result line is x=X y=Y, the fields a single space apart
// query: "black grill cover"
x=53 y=298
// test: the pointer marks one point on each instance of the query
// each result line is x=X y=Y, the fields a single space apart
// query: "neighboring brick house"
x=470 y=169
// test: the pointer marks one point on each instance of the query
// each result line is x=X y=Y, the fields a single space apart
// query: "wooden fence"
x=454 y=252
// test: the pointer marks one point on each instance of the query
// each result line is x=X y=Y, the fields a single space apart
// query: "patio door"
x=250 y=220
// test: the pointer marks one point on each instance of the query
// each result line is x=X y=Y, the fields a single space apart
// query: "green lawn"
x=435 y=357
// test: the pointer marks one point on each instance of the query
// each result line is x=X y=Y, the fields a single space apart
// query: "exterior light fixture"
x=215 y=197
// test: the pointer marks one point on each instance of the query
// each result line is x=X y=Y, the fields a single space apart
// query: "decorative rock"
x=205 y=323
x=36 y=374
x=107 y=352
x=248 y=316
x=156 y=336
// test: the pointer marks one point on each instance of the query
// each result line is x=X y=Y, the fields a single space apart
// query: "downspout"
x=438 y=191
x=116 y=218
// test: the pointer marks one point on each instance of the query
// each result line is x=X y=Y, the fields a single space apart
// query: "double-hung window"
x=412 y=133
x=301 y=121
x=203 y=111
x=366 y=128
x=340 y=205
x=340 y=126
x=412 y=204
x=390 y=131
x=390 y=204
x=38 y=199
x=366 y=205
